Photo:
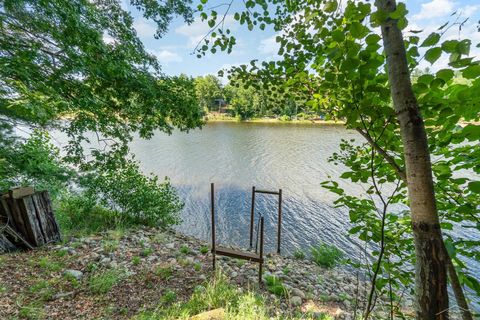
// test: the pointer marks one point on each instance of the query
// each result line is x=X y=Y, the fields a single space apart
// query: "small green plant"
x=324 y=297
x=323 y=316
x=72 y=280
x=184 y=249
x=168 y=297
x=3 y=288
x=164 y=273
x=136 y=260
x=239 y=262
x=33 y=310
x=49 y=265
x=42 y=290
x=110 y=245
x=299 y=255
x=91 y=267
x=159 y=238
x=275 y=285
x=286 y=270
x=204 y=249
x=197 y=266
x=61 y=253
x=146 y=252
x=326 y=255
x=103 y=282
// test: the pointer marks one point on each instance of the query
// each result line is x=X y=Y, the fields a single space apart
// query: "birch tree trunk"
x=430 y=276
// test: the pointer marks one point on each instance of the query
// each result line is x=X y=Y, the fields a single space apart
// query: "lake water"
x=237 y=156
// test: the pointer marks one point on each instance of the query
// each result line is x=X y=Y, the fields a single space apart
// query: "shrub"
x=79 y=214
x=204 y=249
x=326 y=255
x=140 y=199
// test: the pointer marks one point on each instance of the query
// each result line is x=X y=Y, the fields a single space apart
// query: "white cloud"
x=269 y=45
x=198 y=29
x=166 y=56
x=144 y=28
x=435 y=8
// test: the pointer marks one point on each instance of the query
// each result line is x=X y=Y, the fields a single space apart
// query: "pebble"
x=298 y=292
x=296 y=301
x=77 y=274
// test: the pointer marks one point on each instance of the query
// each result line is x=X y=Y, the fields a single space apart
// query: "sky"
x=175 y=49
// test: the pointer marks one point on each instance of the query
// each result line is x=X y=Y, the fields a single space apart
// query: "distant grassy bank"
x=225 y=118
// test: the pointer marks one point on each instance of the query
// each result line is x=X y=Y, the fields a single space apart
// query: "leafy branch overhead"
x=82 y=61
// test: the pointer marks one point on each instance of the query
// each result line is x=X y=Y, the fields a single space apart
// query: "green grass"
x=47 y=264
x=326 y=255
x=42 y=290
x=184 y=249
x=216 y=293
x=136 y=261
x=275 y=285
x=204 y=249
x=164 y=273
x=168 y=297
x=103 y=282
x=77 y=215
x=299 y=255
x=110 y=245
x=32 y=310
x=197 y=266
x=146 y=252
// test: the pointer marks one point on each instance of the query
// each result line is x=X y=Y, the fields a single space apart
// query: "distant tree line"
x=237 y=99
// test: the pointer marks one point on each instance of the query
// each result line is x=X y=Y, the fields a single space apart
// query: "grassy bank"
x=147 y=273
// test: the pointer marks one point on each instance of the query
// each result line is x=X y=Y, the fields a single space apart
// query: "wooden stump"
x=27 y=219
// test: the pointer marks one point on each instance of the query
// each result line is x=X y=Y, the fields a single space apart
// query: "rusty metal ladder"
x=223 y=251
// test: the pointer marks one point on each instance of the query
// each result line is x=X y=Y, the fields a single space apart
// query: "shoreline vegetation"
x=213 y=117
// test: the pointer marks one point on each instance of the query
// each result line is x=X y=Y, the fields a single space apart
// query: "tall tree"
x=431 y=261
x=208 y=90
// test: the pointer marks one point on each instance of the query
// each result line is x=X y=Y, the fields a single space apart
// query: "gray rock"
x=74 y=273
x=105 y=260
x=296 y=301
x=170 y=245
x=298 y=292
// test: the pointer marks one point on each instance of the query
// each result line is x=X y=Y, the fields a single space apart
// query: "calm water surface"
x=237 y=156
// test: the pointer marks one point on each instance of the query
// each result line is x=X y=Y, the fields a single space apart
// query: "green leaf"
x=431 y=40
x=373 y=39
x=338 y=35
x=358 y=30
x=433 y=54
x=471 y=72
x=474 y=186
x=330 y=6
x=445 y=74
x=400 y=12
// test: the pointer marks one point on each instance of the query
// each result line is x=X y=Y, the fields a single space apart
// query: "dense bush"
x=138 y=198
x=326 y=255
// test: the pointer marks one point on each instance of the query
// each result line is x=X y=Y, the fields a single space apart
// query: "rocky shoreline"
x=140 y=254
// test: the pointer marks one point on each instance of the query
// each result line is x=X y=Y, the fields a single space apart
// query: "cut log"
x=28 y=219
